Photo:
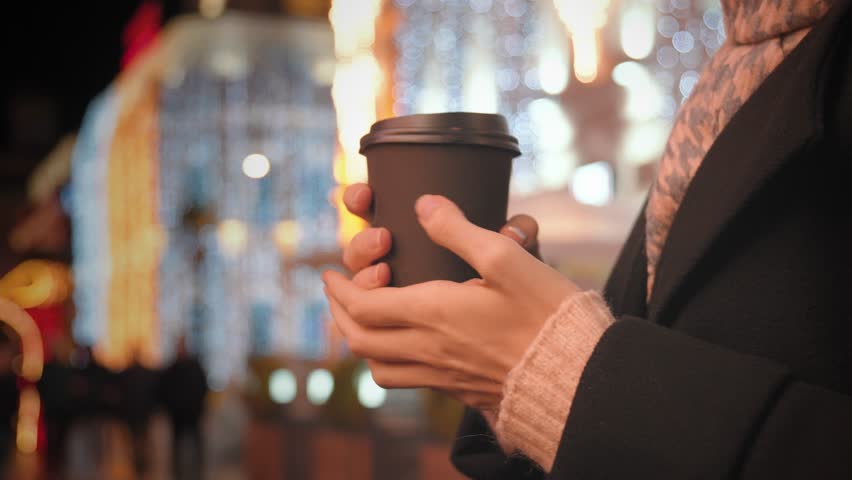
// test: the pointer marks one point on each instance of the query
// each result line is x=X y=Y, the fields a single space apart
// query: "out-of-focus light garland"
x=193 y=181
x=688 y=33
x=29 y=408
x=136 y=237
x=32 y=363
x=88 y=212
x=490 y=56
x=584 y=19
x=246 y=166
x=36 y=283
x=357 y=81
x=32 y=350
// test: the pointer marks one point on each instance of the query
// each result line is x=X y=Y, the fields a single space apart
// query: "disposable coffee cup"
x=466 y=157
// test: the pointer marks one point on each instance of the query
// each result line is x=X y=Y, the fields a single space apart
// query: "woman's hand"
x=459 y=338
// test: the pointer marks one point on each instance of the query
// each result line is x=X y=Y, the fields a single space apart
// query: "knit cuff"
x=539 y=390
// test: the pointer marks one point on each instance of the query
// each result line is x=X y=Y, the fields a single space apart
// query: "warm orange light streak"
x=32 y=351
x=585 y=44
x=357 y=80
x=28 y=412
x=584 y=19
x=135 y=234
x=36 y=283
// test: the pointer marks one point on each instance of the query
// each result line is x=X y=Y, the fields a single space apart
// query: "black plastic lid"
x=486 y=129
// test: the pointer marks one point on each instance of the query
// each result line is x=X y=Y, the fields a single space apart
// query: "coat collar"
x=780 y=119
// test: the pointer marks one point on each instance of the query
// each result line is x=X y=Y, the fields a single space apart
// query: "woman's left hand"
x=461 y=338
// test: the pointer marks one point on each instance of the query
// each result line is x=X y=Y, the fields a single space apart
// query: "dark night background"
x=57 y=56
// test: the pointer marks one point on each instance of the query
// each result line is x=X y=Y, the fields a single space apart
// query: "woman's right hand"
x=373 y=243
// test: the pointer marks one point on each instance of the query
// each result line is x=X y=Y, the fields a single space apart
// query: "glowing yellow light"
x=553 y=71
x=28 y=412
x=354 y=25
x=287 y=234
x=211 y=8
x=36 y=283
x=583 y=19
x=637 y=31
x=233 y=236
x=256 y=165
x=31 y=345
x=357 y=80
x=585 y=55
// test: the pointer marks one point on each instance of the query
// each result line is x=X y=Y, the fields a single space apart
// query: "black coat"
x=740 y=365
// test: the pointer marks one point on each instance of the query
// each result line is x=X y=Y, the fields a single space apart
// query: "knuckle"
x=440 y=222
x=359 y=253
x=495 y=254
x=382 y=378
x=357 y=311
x=357 y=345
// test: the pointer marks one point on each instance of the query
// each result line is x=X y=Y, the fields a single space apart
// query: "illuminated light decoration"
x=177 y=173
x=136 y=237
x=287 y=234
x=29 y=408
x=211 y=8
x=492 y=56
x=370 y=394
x=644 y=142
x=88 y=213
x=237 y=276
x=282 y=386
x=256 y=165
x=320 y=385
x=233 y=236
x=689 y=32
x=585 y=54
x=583 y=19
x=354 y=23
x=645 y=99
x=36 y=283
x=592 y=184
x=554 y=134
x=229 y=62
x=32 y=350
x=637 y=30
x=553 y=71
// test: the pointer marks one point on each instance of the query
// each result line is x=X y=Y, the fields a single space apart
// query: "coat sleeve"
x=654 y=403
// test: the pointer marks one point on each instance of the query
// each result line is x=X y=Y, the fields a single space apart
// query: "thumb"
x=447 y=226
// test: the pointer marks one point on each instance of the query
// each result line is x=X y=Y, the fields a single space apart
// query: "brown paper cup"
x=466 y=157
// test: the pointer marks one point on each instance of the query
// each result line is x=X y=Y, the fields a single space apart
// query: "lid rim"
x=455 y=128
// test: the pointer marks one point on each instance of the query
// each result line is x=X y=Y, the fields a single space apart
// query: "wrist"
x=539 y=390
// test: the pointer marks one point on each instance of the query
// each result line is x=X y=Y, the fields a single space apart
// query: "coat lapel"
x=779 y=120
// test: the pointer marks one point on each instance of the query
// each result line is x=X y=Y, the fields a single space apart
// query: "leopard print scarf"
x=760 y=34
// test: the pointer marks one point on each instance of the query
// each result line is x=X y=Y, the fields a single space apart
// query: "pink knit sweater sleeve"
x=539 y=390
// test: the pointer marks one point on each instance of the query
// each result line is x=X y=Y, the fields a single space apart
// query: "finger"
x=358 y=199
x=366 y=247
x=524 y=230
x=486 y=251
x=382 y=307
x=408 y=375
x=374 y=276
x=385 y=344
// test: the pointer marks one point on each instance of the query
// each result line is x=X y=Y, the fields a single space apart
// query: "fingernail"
x=376 y=273
x=426 y=205
x=361 y=196
x=518 y=233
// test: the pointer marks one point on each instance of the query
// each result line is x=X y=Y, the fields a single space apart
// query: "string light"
x=583 y=19
x=354 y=24
x=166 y=218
